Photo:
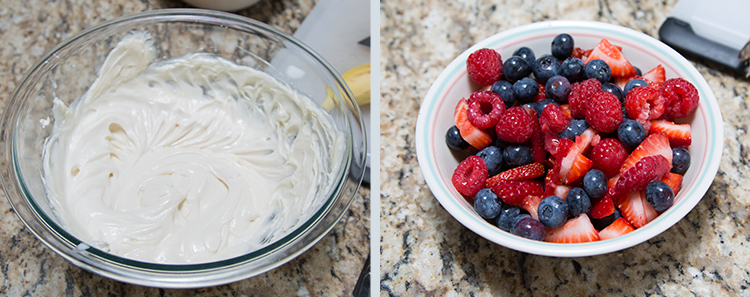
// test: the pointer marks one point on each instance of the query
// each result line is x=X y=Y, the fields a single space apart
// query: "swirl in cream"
x=190 y=160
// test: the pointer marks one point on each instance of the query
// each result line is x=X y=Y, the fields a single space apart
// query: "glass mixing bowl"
x=68 y=70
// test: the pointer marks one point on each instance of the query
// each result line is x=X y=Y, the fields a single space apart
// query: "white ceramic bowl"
x=436 y=116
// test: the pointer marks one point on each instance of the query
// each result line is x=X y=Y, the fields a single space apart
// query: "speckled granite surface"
x=424 y=251
x=27 y=30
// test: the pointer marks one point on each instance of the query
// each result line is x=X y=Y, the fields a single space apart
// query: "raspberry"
x=513 y=192
x=470 y=176
x=515 y=125
x=485 y=66
x=681 y=97
x=485 y=109
x=579 y=94
x=644 y=104
x=603 y=111
x=553 y=119
x=637 y=177
x=608 y=156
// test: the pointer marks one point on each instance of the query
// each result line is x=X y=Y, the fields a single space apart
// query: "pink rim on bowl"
x=436 y=116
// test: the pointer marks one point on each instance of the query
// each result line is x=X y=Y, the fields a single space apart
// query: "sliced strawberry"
x=536 y=141
x=575 y=230
x=618 y=228
x=654 y=144
x=679 y=134
x=636 y=210
x=602 y=208
x=655 y=77
x=617 y=62
x=612 y=181
x=513 y=192
x=541 y=95
x=674 y=181
x=524 y=172
x=531 y=204
x=623 y=80
x=566 y=111
x=476 y=137
x=574 y=164
x=551 y=143
x=561 y=191
x=648 y=169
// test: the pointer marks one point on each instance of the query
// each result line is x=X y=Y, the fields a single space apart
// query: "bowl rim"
x=344 y=191
x=446 y=195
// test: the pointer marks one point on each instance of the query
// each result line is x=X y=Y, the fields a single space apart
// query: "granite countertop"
x=425 y=251
x=27 y=30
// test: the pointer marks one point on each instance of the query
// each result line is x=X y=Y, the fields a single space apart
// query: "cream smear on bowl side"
x=190 y=160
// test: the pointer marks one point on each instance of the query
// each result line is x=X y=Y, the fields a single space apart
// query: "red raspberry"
x=513 y=192
x=644 y=104
x=681 y=97
x=485 y=66
x=637 y=177
x=485 y=109
x=603 y=111
x=579 y=95
x=515 y=125
x=553 y=119
x=608 y=156
x=470 y=176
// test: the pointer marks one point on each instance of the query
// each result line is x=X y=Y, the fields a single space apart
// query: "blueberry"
x=487 y=204
x=576 y=127
x=553 y=211
x=454 y=140
x=517 y=155
x=573 y=69
x=557 y=88
x=599 y=70
x=506 y=219
x=493 y=158
x=631 y=133
x=659 y=195
x=634 y=83
x=578 y=202
x=515 y=68
x=562 y=46
x=527 y=54
x=680 y=160
x=525 y=89
x=517 y=219
x=539 y=106
x=602 y=223
x=530 y=228
x=595 y=184
x=638 y=71
x=614 y=89
x=500 y=143
x=504 y=89
x=545 y=67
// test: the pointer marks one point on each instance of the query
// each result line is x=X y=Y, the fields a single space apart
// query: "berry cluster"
x=575 y=151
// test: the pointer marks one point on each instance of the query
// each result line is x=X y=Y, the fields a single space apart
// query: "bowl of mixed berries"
x=569 y=138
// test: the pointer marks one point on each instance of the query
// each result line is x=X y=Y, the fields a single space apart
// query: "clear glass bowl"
x=67 y=71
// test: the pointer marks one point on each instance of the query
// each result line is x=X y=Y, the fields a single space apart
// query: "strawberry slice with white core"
x=636 y=209
x=531 y=204
x=655 y=77
x=610 y=54
x=476 y=137
x=654 y=144
x=679 y=134
x=618 y=228
x=574 y=164
x=576 y=230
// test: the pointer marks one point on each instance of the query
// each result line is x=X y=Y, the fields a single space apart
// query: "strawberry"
x=541 y=95
x=678 y=134
x=654 y=144
x=618 y=228
x=623 y=80
x=573 y=164
x=531 y=204
x=637 y=177
x=575 y=230
x=476 y=137
x=674 y=181
x=602 y=208
x=655 y=77
x=536 y=142
x=561 y=191
x=524 y=172
x=610 y=54
x=513 y=192
x=636 y=210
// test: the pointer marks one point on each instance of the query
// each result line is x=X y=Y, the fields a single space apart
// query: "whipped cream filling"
x=190 y=160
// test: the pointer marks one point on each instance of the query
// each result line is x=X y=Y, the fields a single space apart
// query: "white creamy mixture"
x=189 y=160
